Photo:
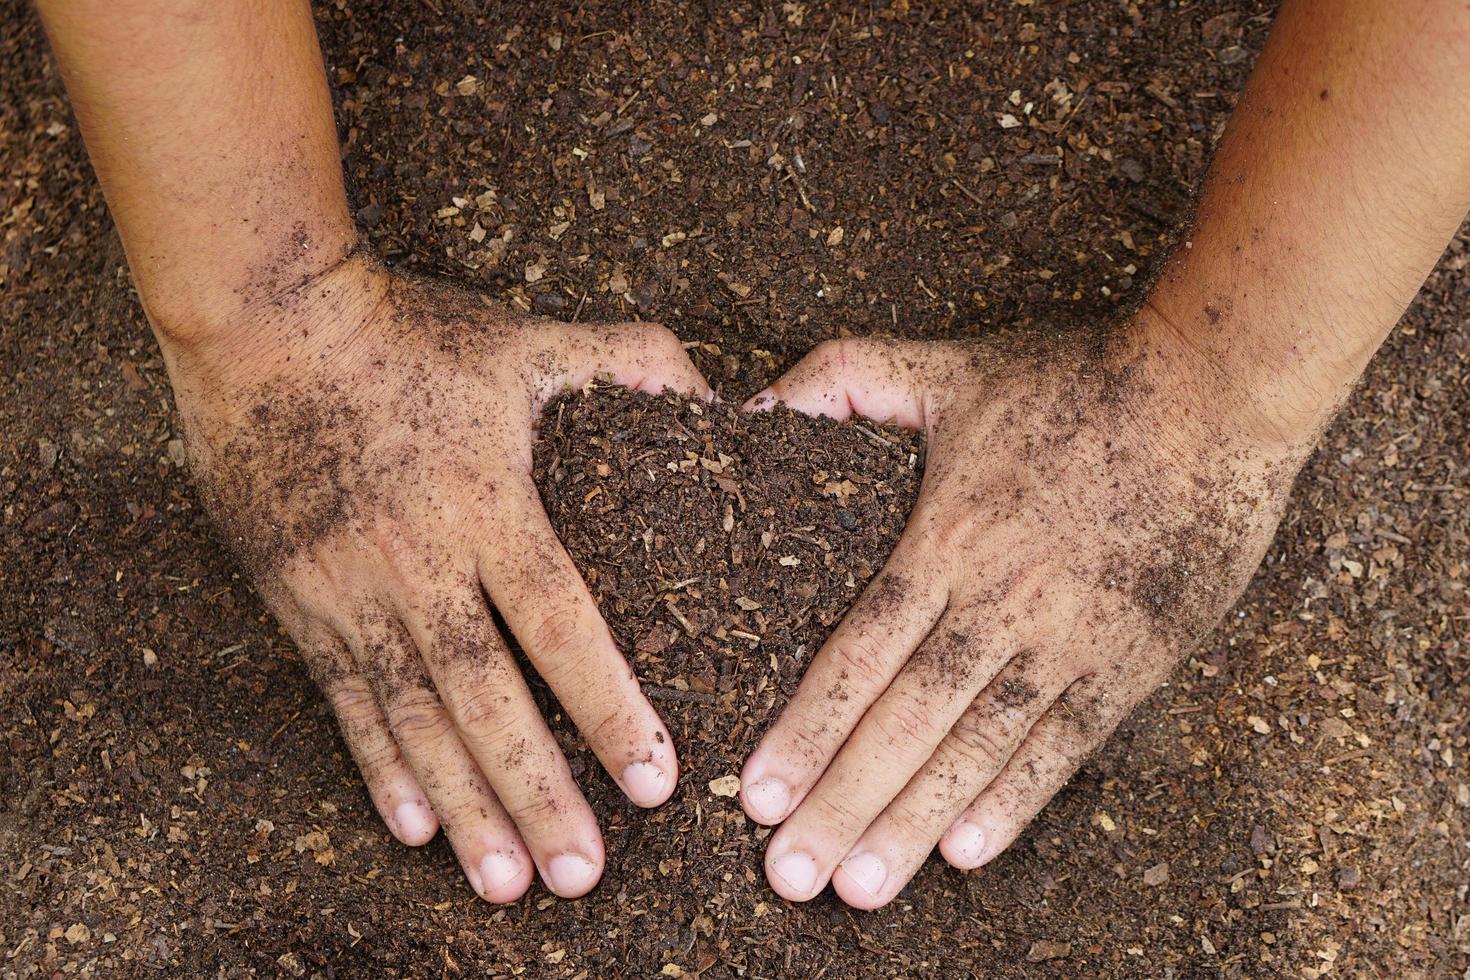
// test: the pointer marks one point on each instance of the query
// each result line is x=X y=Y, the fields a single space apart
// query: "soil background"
x=174 y=799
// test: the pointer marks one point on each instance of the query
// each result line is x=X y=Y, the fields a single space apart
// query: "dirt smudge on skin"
x=287 y=479
x=1014 y=688
x=883 y=96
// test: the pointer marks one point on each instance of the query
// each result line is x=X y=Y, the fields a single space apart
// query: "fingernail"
x=967 y=841
x=768 y=799
x=497 y=871
x=570 y=874
x=798 y=870
x=867 y=871
x=644 y=782
x=472 y=874
x=414 y=820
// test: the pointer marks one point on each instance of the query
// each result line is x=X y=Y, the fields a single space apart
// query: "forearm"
x=1342 y=175
x=210 y=127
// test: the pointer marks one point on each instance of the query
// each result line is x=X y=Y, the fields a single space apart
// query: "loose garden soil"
x=174 y=798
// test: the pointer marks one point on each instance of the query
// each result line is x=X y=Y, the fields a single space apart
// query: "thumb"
x=645 y=357
x=882 y=380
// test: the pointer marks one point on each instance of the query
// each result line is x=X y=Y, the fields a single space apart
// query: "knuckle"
x=483 y=710
x=833 y=813
x=978 y=743
x=362 y=729
x=859 y=660
x=914 y=818
x=906 y=721
x=808 y=736
x=804 y=736
x=393 y=542
x=539 y=808
x=557 y=635
x=658 y=335
x=418 y=718
x=469 y=809
x=606 y=728
x=832 y=354
x=350 y=697
x=375 y=755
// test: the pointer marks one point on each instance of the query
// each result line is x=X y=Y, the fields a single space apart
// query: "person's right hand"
x=364 y=443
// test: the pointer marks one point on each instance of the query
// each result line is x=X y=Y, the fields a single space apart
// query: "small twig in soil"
x=285 y=724
x=871 y=434
x=658 y=693
x=967 y=192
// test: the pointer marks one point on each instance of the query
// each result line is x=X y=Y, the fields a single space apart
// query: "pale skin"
x=1090 y=506
x=365 y=442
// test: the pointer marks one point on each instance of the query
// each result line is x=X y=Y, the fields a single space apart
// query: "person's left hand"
x=1087 y=510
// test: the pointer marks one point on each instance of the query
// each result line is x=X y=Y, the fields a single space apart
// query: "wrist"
x=1232 y=394
x=194 y=296
x=262 y=332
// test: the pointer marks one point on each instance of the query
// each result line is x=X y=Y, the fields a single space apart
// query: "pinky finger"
x=396 y=793
x=1052 y=752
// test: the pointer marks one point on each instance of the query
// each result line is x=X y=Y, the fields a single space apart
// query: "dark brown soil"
x=722 y=548
x=174 y=799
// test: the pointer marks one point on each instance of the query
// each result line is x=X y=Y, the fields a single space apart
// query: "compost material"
x=722 y=547
x=174 y=798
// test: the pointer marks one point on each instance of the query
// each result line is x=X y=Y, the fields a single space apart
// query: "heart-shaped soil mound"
x=722 y=548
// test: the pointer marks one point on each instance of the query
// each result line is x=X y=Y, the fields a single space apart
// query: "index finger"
x=849 y=673
x=533 y=583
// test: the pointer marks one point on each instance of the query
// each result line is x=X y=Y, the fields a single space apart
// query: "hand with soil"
x=1089 y=507
x=364 y=441
x=371 y=464
x=1075 y=531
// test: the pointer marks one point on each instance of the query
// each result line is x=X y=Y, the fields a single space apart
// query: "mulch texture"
x=174 y=799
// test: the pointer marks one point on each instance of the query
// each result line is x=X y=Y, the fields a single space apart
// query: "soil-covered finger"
x=397 y=794
x=1056 y=745
x=896 y=736
x=972 y=754
x=478 y=828
x=539 y=592
x=497 y=721
x=849 y=673
x=644 y=357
